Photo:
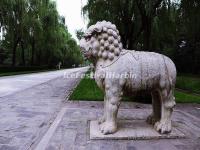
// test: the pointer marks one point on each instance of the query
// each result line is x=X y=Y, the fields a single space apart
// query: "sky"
x=71 y=10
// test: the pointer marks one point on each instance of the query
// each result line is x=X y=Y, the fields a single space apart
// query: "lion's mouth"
x=87 y=54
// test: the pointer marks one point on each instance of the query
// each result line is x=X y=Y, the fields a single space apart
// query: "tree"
x=132 y=17
x=79 y=33
x=148 y=9
x=13 y=14
x=189 y=35
x=35 y=34
x=166 y=26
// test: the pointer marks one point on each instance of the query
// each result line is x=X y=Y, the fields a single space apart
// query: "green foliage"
x=8 y=71
x=189 y=83
x=122 y=13
x=170 y=27
x=79 y=33
x=35 y=35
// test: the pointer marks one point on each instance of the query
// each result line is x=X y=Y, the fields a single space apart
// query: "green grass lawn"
x=189 y=83
x=182 y=97
x=88 y=90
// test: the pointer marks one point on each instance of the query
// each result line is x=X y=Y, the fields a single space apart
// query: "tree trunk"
x=23 y=55
x=39 y=57
x=33 y=52
x=14 y=53
x=147 y=33
x=135 y=38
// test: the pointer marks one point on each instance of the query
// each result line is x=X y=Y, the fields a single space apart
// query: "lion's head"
x=101 y=40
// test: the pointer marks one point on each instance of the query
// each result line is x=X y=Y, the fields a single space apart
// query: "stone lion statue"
x=118 y=71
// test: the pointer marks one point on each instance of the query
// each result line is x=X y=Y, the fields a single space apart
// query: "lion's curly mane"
x=106 y=40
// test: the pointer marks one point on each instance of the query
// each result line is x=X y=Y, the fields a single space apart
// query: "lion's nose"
x=83 y=50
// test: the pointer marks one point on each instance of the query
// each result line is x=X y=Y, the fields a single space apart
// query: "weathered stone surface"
x=119 y=71
x=133 y=130
x=7 y=147
x=79 y=114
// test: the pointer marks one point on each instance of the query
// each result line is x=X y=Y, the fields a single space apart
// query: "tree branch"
x=140 y=7
x=156 y=5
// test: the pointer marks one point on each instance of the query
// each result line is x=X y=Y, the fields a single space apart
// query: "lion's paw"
x=151 y=119
x=163 y=126
x=101 y=119
x=108 y=128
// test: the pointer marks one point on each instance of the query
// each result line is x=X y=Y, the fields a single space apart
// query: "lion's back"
x=146 y=68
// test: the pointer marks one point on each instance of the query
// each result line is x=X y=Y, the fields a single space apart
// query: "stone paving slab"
x=73 y=131
x=132 y=130
x=26 y=115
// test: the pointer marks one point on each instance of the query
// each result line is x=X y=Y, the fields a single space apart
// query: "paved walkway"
x=12 y=84
x=30 y=105
x=37 y=116
x=72 y=132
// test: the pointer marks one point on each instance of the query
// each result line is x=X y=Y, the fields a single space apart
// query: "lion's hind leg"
x=156 y=111
x=167 y=104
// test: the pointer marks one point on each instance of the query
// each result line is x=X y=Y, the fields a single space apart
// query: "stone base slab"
x=133 y=130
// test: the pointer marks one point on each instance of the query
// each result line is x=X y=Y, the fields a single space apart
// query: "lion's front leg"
x=102 y=119
x=156 y=113
x=113 y=98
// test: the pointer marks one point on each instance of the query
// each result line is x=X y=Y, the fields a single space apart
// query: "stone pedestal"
x=133 y=130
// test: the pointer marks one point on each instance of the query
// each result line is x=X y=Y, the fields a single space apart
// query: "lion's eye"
x=87 y=39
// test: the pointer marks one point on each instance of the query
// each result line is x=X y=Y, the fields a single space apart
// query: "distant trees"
x=35 y=34
x=171 y=27
x=189 y=41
